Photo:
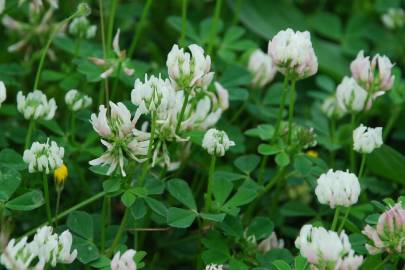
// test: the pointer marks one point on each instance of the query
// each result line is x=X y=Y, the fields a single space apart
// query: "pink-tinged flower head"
x=389 y=233
x=293 y=54
x=262 y=68
x=374 y=75
x=124 y=262
x=351 y=97
x=327 y=249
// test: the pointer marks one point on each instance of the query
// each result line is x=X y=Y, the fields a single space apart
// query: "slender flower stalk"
x=110 y=29
x=335 y=219
x=183 y=109
x=47 y=202
x=208 y=199
x=291 y=110
x=139 y=28
x=28 y=137
x=281 y=109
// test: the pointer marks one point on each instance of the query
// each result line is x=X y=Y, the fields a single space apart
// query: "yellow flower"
x=312 y=153
x=60 y=174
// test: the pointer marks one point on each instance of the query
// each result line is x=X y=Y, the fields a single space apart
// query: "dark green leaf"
x=26 y=202
x=180 y=218
x=10 y=180
x=81 y=223
x=180 y=190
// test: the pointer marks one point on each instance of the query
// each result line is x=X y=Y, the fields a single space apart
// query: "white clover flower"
x=52 y=248
x=77 y=101
x=337 y=188
x=124 y=262
x=375 y=74
x=326 y=249
x=223 y=96
x=331 y=108
x=351 y=97
x=81 y=28
x=393 y=18
x=262 y=68
x=366 y=139
x=188 y=71
x=3 y=93
x=44 y=157
x=269 y=243
x=293 y=54
x=16 y=255
x=152 y=93
x=214 y=267
x=36 y=105
x=120 y=137
x=116 y=62
x=216 y=142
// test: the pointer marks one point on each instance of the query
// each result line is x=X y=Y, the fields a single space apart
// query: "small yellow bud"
x=312 y=153
x=60 y=174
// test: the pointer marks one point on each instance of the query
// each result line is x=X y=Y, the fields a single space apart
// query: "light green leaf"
x=180 y=218
x=26 y=202
x=10 y=180
x=180 y=190
x=81 y=223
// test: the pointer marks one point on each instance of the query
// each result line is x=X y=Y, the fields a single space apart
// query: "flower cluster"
x=81 y=28
x=331 y=108
x=3 y=93
x=366 y=139
x=115 y=63
x=45 y=248
x=394 y=18
x=216 y=142
x=189 y=71
x=338 y=188
x=262 y=68
x=119 y=136
x=389 y=234
x=77 y=101
x=44 y=157
x=351 y=97
x=36 y=105
x=326 y=249
x=374 y=74
x=124 y=261
x=293 y=54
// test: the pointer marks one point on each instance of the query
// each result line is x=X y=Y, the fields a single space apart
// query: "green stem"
x=362 y=166
x=211 y=171
x=183 y=109
x=281 y=109
x=116 y=79
x=68 y=211
x=102 y=30
x=150 y=150
x=46 y=48
x=111 y=17
x=236 y=15
x=121 y=229
x=291 y=110
x=103 y=223
x=73 y=126
x=58 y=193
x=335 y=218
x=46 y=193
x=77 y=48
x=139 y=28
x=29 y=134
x=352 y=158
x=344 y=219
x=261 y=170
x=183 y=22
x=214 y=26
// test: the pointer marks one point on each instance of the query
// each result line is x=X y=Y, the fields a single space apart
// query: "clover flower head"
x=337 y=188
x=187 y=70
x=262 y=68
x=269 y=243
x=214 y=267
x=366 y=139
x=293 y=55
x=77 y=101
x=389 y=233
x=331 y=108
x=327 y=249
x=124 y=261
x=351 y=97
x=153 y=93
x=36 y=105
x=374 y=75
x=216 y=142
x=44 y=157
x=120 y=137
